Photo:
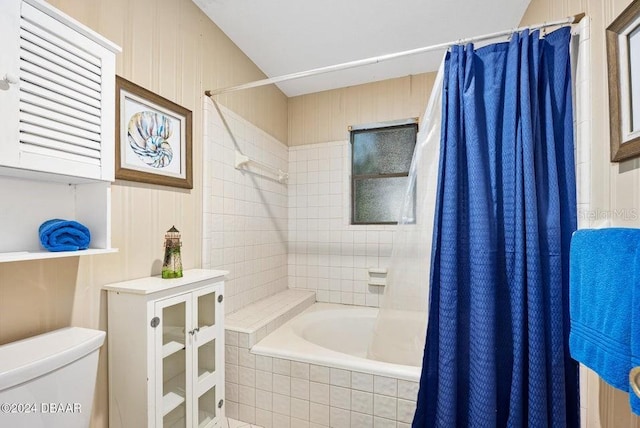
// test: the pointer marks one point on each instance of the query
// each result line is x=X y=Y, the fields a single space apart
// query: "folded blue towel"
x=64 y=235
x=603 y=285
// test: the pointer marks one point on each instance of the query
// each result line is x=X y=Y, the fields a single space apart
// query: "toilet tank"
x=48 y=381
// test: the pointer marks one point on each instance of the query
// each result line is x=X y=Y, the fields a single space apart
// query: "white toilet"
x=48 y=381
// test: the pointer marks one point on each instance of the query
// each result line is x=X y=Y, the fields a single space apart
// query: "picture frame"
x=623 y=59
x=153 y=138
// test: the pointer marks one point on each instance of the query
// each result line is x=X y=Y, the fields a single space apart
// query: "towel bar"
x=634 y=380
x=243 y=160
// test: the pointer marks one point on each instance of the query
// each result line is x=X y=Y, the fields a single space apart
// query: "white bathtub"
x=332 y=335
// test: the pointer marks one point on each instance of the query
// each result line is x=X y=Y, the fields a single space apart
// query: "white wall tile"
x=231 y=338
x=362 y=381
x=264 y=363
x=340 y=397
x=231 y=391
x=299 y=370
x=232 y=409
x=281 y=404
x=359 y=420
x=300 y=388
x=362 y=402
x=299 y=423
x=300 y=409
x=247 y=413
x=319 y=414
x=281 y=366
x=385 y=386
x=319 y=393
x=247 y=395
x=319 y=201
x=246 y=358
x=243 y=206
x=406 y=410
x=281 y=421
x=231 y=354
x=231 y=373
x=264 y=380
x=340 y=418
x=243 y=338
x=264 y=418
x=384 y=406
x=282 y=384
x=408 y=390
x=264 y=400
x=319 y=373
x=247 y=376
x=340 y=377
x=383 y=423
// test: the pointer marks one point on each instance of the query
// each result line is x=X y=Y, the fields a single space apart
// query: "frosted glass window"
x=383 y=151
x=381 y=158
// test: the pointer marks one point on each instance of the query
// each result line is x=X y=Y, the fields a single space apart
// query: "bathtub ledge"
x=253 y=322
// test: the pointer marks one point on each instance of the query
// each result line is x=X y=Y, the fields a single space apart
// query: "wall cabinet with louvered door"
x=57 y=95
x=58 y=92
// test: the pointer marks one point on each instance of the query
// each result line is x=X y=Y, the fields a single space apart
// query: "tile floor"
x=232 y=423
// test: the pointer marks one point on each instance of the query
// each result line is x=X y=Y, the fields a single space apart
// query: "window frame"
x=353 y=131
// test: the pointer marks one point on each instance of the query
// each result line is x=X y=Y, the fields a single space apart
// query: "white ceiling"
x=286 y=36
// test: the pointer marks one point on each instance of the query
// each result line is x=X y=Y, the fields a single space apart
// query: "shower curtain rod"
x=374 y=60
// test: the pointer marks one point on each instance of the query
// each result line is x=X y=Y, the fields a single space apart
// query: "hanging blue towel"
x=604 y=281
x=635 y=331
x=64 y=235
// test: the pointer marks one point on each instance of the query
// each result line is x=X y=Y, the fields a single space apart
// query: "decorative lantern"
x=172 y=265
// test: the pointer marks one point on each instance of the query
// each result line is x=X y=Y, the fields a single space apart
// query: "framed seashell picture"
x=153 y=137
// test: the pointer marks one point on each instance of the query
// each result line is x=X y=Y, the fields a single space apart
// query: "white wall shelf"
x=57 y=105
x=20 y=256
x=26 y=204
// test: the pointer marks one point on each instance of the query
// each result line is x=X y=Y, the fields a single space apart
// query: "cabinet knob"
x=155 y=321
x=11 y=79
x=220 y=403
x=220 y=298
x=8 y=80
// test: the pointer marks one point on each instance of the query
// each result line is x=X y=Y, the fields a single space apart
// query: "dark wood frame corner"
x=149 y=177
x=620 y=150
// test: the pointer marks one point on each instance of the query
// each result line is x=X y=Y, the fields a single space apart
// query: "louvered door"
x=60 y=114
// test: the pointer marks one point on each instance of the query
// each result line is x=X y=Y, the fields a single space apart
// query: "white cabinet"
x=166 y=351
x=57 y=104
x=57 y=94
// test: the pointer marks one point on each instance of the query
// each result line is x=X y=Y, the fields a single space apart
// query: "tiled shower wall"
x=248 y=230
x=326 y=253
x=245 y=212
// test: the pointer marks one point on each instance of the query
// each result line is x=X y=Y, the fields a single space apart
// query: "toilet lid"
x=30 y=358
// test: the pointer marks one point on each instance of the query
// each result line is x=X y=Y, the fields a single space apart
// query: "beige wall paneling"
x=173 y=49
x=324 y=116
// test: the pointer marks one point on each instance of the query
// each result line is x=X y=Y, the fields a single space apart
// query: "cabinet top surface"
x=154 y=284
x=73 y=23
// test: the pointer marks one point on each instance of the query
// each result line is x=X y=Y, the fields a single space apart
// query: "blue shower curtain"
x=497 y=352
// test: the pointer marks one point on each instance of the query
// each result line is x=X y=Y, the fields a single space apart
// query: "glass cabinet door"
x=205 y=401
x=172 y=370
